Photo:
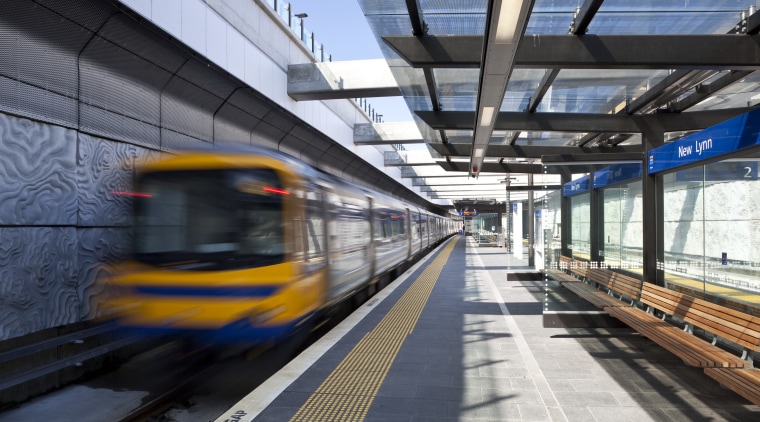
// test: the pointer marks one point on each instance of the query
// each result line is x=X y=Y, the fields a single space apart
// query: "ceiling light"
x=486 y=115
x=478 y=152
x=509 y=12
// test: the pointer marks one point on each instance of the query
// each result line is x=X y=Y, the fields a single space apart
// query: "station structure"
x=570 y=136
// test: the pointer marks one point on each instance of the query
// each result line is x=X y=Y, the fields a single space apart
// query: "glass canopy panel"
x=549 y=23
x=522 y=86
x=459 y=136
x=453 y=6
x=675 y=23
x=745 y=93
x=597 y=91
x=625 y=17
x=455 y=24
x=457 y=88
x=546 y=138
x=384 y=7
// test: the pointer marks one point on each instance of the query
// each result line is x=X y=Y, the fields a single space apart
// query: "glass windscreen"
x=711 y=227
x=213 y=219
x=621 y=231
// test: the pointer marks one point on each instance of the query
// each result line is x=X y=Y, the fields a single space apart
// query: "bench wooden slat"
x=560 y=276
x=593 y=295
x=691 y=349
x=745 y=382
x=729 y=324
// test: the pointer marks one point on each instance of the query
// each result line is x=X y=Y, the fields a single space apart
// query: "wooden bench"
x=744 y=382
x=626 y=287
x=719 y=321
x=562 y=274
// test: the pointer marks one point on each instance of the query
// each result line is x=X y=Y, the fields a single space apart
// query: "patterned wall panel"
x=98 y=249
x=38 y=279
x=37 y=173
x=105 y=170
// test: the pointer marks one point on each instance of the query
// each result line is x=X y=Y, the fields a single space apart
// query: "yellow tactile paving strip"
x=349 y=390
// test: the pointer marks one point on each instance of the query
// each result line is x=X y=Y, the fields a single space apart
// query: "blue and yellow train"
x=251 y=245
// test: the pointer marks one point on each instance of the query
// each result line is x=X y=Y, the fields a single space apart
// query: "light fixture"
x=478 y=152
x=509 y=13
x=486 y=115
x=301 y=15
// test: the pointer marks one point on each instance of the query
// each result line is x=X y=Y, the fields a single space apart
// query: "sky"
x=340 y=25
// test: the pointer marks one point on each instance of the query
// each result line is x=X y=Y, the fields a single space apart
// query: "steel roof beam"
x=418 y=24
x=715 y=52
x=543 y=87
x=584 y=16
x=533 y=151
x=705 y=90
x=582 y=122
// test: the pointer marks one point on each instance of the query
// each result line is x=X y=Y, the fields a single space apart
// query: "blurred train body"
x=250 y=246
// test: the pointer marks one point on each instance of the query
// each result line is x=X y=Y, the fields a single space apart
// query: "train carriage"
x=250 y=244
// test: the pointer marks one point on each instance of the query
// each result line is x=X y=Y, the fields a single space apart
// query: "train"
x=249 y=244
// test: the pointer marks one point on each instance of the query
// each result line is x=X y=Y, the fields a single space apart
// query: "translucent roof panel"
x=624 y=17
x=745 y=93
x=459 y=136
x=458 y=24
x=457 y=88
x=521 y=87
x=546 y=138
x=597 y=91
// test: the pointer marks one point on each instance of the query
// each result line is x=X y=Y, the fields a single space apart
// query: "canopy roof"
x=497 y=85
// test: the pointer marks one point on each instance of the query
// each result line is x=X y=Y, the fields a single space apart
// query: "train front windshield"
x=209 y=220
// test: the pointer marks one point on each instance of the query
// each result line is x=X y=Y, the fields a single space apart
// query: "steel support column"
x=653 y=217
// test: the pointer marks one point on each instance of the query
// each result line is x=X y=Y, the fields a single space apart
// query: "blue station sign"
x=577 y=186
x=616 y=174
x=732 y=135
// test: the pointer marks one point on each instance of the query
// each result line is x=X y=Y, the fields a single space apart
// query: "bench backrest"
x=565 y=262
x=617 y=282
x=732 y=325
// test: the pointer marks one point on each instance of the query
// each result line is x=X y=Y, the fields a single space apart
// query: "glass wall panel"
x=622 y=237
x=712 y=232
x=683 y=228
x=580 y=226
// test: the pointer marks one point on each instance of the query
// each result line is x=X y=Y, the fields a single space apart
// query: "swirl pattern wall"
x=60 y=222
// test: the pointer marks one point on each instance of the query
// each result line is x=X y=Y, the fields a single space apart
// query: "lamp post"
x=301 y=16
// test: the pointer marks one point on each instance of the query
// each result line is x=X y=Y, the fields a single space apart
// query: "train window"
x=315 y=225
x=220 y=219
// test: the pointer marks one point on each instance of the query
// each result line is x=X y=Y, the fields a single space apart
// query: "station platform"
x=460 y=338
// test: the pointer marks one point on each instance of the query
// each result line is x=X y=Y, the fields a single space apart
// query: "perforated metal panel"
x=188 y=109
x=233 y=124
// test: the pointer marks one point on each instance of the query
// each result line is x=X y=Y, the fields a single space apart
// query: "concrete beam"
x=387 y=133
x=339 y=80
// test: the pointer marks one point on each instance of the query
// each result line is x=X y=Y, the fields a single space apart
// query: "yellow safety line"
x=347 y=393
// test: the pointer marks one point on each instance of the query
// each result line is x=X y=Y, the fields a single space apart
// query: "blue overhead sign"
x=616 y=174
x=732 y=135
x=577 y=186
